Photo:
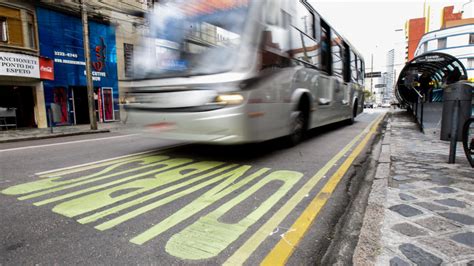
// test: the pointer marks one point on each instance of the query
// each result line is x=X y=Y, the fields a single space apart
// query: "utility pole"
x=90 y=84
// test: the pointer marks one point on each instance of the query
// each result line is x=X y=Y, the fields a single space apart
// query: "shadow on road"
x=251 y=151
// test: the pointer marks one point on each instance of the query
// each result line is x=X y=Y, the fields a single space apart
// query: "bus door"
x=325 y=91
x=340 y=86
x=346 y=73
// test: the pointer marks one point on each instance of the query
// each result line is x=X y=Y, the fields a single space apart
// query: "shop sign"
x=19 y=65
x=46 y=68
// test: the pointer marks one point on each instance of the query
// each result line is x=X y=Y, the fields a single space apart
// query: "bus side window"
x=361 y=71
x=325 y=48
x=354 y=68
x=337 y=56
x=347 y=63
x=275 y=45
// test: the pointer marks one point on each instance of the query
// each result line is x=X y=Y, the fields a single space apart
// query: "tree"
x=368 y=95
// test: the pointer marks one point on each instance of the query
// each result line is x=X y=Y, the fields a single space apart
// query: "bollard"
x=454 y=133
x=456 y=110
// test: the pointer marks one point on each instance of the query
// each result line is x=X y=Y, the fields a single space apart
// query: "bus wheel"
x=351 y=120
x=298 y=128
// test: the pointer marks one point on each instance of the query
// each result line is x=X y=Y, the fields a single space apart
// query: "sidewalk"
x=13 y=135
x=421 y=209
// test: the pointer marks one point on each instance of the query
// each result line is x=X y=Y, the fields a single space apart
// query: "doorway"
x=20 y=98
x=81 y=105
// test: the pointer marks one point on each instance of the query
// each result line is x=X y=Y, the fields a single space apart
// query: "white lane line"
x=65 y=143
x=165 y=148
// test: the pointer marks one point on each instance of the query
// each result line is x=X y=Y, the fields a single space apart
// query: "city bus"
x=242 y=71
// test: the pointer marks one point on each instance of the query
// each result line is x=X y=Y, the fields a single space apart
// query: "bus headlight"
x=229 y=99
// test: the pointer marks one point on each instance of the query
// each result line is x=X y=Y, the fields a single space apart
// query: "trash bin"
x=457 y=92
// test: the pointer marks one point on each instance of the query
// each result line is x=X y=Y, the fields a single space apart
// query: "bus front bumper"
x=222 y=126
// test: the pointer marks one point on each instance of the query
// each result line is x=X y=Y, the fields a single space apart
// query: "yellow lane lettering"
x=55 y=179
x=165 y=166
x=194 y=181
x=211 y=196
x=104 y=197
x=207 y=237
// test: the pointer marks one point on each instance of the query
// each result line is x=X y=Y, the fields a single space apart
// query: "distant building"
x=388 y=93
x=456 y=37
x=415 y=28
x=448 y=17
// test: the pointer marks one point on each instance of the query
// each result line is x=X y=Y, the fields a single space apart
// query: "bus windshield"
x=192 y=37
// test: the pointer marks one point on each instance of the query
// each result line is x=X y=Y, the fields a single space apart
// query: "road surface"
x=124 y=198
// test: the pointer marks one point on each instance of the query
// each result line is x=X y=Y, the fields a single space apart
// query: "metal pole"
x=416 y=110
x=50 y=116
x=90 y=84
x=421 y=115
x=454 y=132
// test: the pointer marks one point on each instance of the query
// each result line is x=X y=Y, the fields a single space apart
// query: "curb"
x=368 y=245
x=56 y=135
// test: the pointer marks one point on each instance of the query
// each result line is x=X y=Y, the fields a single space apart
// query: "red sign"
x=100 y=52
x=46 y=68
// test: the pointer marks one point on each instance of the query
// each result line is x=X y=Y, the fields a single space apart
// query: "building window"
x=12 y=27
x=3 y=30
x=31 y=32
x=471 y=38
x=470 y=62
x=441 y=43
x=128 y=59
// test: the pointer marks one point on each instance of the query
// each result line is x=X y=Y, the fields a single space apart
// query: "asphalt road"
x=123 y=198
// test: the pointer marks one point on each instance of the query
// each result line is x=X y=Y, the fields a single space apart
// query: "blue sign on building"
x=60 y=38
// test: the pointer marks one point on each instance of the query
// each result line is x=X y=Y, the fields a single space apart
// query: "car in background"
x=369 y=105
x=386 y=105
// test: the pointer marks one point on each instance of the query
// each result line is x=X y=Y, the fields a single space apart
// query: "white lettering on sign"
x=19 y=65
x=96 y=75
x=60 y=53
x=66 y=60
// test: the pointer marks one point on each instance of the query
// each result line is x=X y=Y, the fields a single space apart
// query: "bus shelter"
x=425 y=76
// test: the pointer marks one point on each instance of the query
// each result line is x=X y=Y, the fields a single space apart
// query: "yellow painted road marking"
x=285 y=247
x=246 y=249
x=96 y=164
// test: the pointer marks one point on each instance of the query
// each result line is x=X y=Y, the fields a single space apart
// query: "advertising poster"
x=107 y=100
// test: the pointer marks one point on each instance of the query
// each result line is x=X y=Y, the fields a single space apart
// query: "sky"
x=375 y=27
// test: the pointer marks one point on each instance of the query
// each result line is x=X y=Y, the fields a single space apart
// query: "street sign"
x=373 y=75
x=380 y=85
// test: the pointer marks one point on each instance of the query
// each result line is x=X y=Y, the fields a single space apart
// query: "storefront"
x=60 y=38
x=21 y=92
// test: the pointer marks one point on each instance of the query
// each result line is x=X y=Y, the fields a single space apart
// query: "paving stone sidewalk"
x=421 y=209
x=12 y=135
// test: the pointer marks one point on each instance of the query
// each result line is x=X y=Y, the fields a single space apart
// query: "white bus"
x=239 y=71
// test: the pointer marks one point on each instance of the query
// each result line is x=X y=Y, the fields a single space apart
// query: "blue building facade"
x=60 y=38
